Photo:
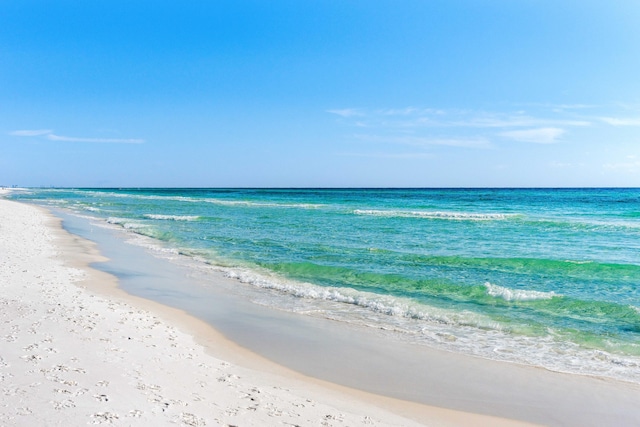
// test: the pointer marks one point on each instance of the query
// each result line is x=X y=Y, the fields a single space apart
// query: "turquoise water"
x=548 y=277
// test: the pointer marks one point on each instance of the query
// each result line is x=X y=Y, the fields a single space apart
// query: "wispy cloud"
x=574 y=106
x=516 y=121
x=616 y=121
x=48 y=134
x=464 y=128
x=347 y=112
x=536 y=136
x=544 y=124
x=426 y=141
x=54 y=137
x=566 y=165
x=407 y=111
x=628 y=167
x=382 y=155
x=31 y=132
x=412 y=117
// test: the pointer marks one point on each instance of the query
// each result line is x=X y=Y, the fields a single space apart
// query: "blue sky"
x=431 y=93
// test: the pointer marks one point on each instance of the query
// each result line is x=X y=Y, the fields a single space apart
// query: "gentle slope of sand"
x=71 y=356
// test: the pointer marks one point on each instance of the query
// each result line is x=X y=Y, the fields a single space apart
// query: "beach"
x=142 y=341
x=77 y=350
x=536 y=277
x=320 y=214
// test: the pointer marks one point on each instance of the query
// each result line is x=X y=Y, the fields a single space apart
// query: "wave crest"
x=517 y=294
x=250 y=204
x=461 y=216
x=125 y=223
x=383 y=304
x=172 y=217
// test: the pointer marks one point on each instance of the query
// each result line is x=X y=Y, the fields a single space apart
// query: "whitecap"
x=383 y=304
x=173 y=217
x=461 y=216
x=517 y=294
x=125 y=223
x=246 y=203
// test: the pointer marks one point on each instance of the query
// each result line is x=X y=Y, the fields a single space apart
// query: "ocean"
x=542 y=277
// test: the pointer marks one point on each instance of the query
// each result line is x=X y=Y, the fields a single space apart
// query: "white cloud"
x=574 y=106
x=428 y=117
x=560 y=165
x=488 y=120
x=424 y=141
x=566 y=165
x=54 y=137
x=613 y=121
x=628 y=167
x=382 y=155
x=417 y=126
x=405 y=111
x=347 y=112
x=30 y=132
x=47 y=133
x=536 y=136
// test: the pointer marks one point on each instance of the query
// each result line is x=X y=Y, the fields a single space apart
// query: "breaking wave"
x=517 y=294
x=460 y=216
x=125 y=223
x=173 y=217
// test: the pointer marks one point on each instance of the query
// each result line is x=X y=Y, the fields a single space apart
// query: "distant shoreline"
x=327 y=188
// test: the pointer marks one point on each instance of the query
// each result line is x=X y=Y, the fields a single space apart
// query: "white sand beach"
x=76 y=350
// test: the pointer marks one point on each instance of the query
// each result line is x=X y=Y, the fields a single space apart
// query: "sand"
x=76 y=350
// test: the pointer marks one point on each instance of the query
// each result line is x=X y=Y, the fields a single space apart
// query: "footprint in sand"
x=104 y=417
x=101 y=397
x=64 y=404
x=24 y=411
x=188 y=419
x=135 y=413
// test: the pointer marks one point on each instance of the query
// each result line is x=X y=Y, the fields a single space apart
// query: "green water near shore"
x=552 y=271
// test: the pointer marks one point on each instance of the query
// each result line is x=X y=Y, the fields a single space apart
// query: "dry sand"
x=73 y=355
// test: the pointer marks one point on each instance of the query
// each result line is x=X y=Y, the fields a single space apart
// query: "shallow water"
x=548 y=278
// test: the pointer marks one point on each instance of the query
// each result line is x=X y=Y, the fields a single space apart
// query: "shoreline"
x=67 y=255
x=358 y=357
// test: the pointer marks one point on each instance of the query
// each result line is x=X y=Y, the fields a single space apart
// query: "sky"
x=423 y=93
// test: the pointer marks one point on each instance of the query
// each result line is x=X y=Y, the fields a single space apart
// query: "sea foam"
x=250 y=204
x=383 y=304
x=125 y=223
x=461 y=216
x=517 y=294
x=172 y=217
